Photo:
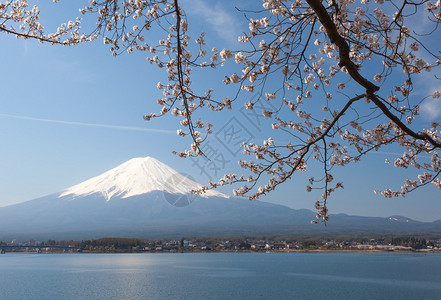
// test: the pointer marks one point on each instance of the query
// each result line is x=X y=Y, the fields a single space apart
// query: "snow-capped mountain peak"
x=135 y=177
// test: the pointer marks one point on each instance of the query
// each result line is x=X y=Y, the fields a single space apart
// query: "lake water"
x=221 y=276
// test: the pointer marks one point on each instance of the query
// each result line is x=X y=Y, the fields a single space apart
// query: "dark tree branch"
x=344 y=50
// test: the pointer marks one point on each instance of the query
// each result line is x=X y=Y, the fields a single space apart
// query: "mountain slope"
x=135 y=177
x=145 y=198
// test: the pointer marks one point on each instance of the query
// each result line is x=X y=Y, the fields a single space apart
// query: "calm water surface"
x=221 y=276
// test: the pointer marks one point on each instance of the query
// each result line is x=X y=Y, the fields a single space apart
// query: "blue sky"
x=70 y=113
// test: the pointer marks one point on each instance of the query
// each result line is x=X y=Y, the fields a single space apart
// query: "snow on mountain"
x=136 y=177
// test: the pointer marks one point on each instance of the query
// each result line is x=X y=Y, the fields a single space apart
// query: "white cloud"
x=432 y=109
x=130 y=128
x=426 y=85
x=215 y=15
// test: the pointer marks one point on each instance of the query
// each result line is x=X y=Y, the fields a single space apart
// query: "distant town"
x=132 y=245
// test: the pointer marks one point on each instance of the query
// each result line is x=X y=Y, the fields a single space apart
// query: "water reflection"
x=219 y=276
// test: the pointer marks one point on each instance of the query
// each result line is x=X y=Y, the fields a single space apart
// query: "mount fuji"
x=146 y=198
x=141 y=197
x=136 y=177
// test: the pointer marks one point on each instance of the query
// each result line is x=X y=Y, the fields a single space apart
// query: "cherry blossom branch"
x=345 y=61
x=344 y=50
x=419 y=136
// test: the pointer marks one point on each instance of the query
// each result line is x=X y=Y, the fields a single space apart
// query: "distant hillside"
x=145 y=198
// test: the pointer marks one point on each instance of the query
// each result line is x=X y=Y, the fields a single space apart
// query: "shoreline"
x=240 y=251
